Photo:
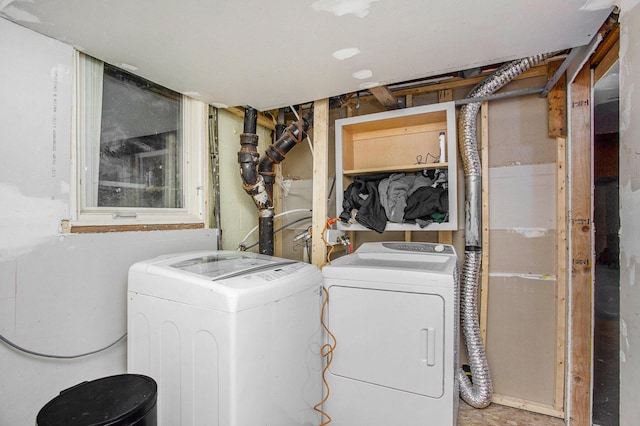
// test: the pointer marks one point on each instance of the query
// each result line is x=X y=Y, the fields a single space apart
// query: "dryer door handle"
x=428 y=346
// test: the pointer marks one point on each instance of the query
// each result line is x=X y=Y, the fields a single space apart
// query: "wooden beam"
x=605 y=47
x=561 y=281
x=385 y=97
x=580 y=220
x=445 y=95
x=278 y=202
x=484 y=281
x=456 y=83
x=607 y=62
x=320 y=178
x=557 y=103
x=522 y=404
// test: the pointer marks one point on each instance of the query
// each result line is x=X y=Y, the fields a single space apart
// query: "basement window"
x=138 y=149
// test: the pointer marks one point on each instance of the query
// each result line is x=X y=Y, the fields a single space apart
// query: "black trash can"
x=122 y=400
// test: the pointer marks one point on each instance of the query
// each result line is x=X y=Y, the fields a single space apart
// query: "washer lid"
x=226 y=264
x=228 y=281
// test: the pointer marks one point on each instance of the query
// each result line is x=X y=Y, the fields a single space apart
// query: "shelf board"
x=390 y=169
x=392 y=226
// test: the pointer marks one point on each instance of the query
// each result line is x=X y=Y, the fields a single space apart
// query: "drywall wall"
x=60 y=294
x=629 y=209
x=67 y=296
x=521 y=336
x=521 y=311
x=36 y=78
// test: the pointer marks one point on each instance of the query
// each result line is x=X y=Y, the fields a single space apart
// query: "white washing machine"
x=231 y=338
x=393 y=308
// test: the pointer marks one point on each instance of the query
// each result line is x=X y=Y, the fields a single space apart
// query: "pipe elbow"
x=258 y=193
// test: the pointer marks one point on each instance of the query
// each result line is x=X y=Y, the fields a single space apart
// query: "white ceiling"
x=274 y=53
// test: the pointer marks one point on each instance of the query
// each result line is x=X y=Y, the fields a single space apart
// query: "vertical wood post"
x=484 y=283
x=561 y=281
x=580 y=220
x=320 y=177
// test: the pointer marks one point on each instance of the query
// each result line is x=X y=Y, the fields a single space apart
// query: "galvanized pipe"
x=477 y=394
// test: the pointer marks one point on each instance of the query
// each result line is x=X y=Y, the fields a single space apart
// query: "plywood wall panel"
x=522 y=198
x=518 y=253
x=521 y=338
x=518 y=132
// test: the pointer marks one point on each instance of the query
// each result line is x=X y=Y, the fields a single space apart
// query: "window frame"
x=194 y=145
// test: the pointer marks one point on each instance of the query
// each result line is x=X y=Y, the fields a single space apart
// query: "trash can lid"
x=106 y=401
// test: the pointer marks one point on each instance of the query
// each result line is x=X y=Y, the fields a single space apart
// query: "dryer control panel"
x=420 y=247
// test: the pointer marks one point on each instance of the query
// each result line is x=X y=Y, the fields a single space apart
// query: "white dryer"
x=231 y=338
x=393 y=308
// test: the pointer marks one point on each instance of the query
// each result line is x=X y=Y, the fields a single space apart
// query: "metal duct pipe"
x=477 y=394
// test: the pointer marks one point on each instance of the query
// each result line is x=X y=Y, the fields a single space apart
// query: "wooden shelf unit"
x=405 y=140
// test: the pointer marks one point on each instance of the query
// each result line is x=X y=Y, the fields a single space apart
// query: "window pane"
x=140 y=144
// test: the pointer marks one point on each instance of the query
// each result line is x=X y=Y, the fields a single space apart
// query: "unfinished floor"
x=499 y=415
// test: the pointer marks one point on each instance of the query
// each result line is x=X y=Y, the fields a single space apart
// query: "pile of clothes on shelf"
x=374 y=200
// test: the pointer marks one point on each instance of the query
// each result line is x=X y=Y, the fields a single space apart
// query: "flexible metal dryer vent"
x=477 y=394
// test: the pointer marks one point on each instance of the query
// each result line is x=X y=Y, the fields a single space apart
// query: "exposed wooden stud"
x=607 y=62
x=385 y=97
x=533 y=406
x=445 y=95
x=320 y=179
x=606 y=46
x=484 y=161
x=580 y=292
x=561 y=290
x=277 y=208
x=456 y=83
x=445 y=237
x=557 y=103
x=408 y=101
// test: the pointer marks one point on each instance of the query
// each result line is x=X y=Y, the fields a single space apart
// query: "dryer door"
x=389 y=338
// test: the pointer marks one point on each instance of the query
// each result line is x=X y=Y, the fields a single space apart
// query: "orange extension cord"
x=327 y=349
